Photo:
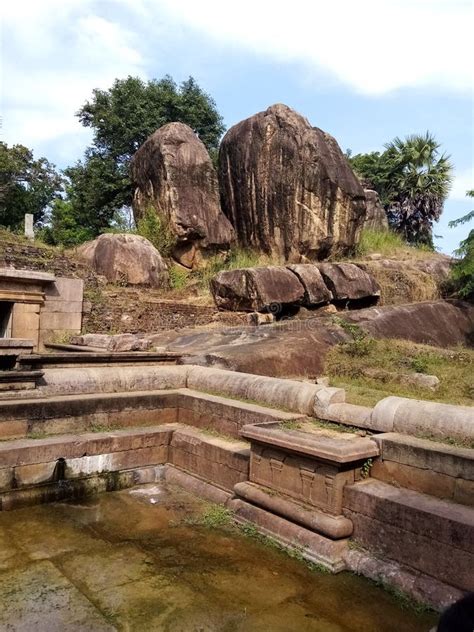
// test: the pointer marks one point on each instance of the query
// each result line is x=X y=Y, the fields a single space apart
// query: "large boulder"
x=348 y=282
x=316 y=291
x=287 y=187
x=174 y=175
x=271 y=288
x=129 y=259
x=376 y=217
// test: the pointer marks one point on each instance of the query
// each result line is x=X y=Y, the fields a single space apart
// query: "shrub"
x=157 y=230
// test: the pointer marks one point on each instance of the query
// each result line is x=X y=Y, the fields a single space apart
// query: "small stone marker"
x=29 y=231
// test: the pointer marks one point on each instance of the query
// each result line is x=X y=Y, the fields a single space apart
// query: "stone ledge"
x=426 y=454
x=335 y=527
x=329 y=449
x=312 y=546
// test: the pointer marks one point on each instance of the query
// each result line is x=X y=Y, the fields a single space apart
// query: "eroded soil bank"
x=150 y=559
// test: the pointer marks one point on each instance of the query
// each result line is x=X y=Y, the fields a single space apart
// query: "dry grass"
x=453 y=367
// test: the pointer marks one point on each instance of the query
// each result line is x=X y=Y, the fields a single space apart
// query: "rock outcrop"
x=348 y=282
x=128 y=259
x=376 y=217
x=271 y=288
x=287 y=188
x=276 y=288
x=316 y=291
x=173 y=174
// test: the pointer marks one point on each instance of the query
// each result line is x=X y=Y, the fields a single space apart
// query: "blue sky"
x=365 y=72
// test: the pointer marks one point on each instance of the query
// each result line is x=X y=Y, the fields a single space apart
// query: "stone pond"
x=157 y=558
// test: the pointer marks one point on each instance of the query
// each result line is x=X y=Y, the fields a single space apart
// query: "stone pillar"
x=29 y=231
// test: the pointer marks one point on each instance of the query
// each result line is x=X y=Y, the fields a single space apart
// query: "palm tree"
x=463 y=269
x=418 y=183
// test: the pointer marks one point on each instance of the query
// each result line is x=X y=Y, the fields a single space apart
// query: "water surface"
x=137 y=561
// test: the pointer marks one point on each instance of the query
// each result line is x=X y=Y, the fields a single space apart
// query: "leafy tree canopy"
x=122 y=118
x=26 y=186
x=463 y=269
x=412 y=179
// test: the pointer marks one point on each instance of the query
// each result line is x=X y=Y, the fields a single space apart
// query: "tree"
x=412 y=179
x=26 y=186
x=122 y=118
x=463 y=269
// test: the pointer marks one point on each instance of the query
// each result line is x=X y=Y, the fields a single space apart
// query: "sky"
x=363 y=71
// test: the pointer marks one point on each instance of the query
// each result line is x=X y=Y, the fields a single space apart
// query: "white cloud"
x=55 y=54
x=463 y=181
x=373 y=46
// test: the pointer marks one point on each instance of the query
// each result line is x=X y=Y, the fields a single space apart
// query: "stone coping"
x=26 y=276
x=16 y=343
x=426 y=454
x=319 y=445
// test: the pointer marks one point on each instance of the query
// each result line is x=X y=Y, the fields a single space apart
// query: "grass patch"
x=454 y=368
x=387 y=243
x=213 y=517
x=178 y=277
x=289 y=425
x=250 y=530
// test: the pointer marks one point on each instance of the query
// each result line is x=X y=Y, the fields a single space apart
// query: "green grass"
x=387 y=243
x=178 y=277
x=454 y=368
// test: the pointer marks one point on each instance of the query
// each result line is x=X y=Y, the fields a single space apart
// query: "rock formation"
x=276 y=288
x=316 y=291
x=270 y=288
x=376 y=217
x=129 y=259
x=287 y=188
x=174 y=175
x=348 y=282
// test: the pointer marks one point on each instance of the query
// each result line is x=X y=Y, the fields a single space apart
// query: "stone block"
x=315 y=483
x=312 y=546
x=432 y=536
x=65 y=290
x=221 y=462
x=13 y=428
x=62 y=321
x=420 y=480
x=427 y=455
x=61 y=307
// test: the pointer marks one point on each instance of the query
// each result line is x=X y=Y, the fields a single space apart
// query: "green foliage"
x=412 y=179
x=366 y=467
x=26 y=186
x=213 y=517
x=178 y=277
x=122 y=118
x=453 y=367
x=156 y=229
x=64 y=228
x=463 y=270
x=386 y=242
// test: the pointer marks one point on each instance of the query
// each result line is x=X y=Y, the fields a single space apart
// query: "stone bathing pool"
x=158 y=558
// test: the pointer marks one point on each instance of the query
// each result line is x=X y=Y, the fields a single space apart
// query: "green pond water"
x=141 y=560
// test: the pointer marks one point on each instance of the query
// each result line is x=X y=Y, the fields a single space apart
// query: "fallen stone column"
x=414 y=416
x=105 y=379
x=287 y=394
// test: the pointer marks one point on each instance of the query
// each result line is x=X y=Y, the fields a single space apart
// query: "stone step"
x=426 y=466
x=433 y=536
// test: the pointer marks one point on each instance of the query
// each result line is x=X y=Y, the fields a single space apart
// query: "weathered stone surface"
x=287 y=188
x=222 y=462
x=347 y=281
x=268 y=288
x=439 y=323
x=333 y=526
x=408 y=527
x=316 y=291
x=125 y=258
x=119 y=342
x=375 y=218
x=173 y=172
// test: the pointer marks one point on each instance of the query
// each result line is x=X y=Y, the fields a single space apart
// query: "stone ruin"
x=365 y=494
